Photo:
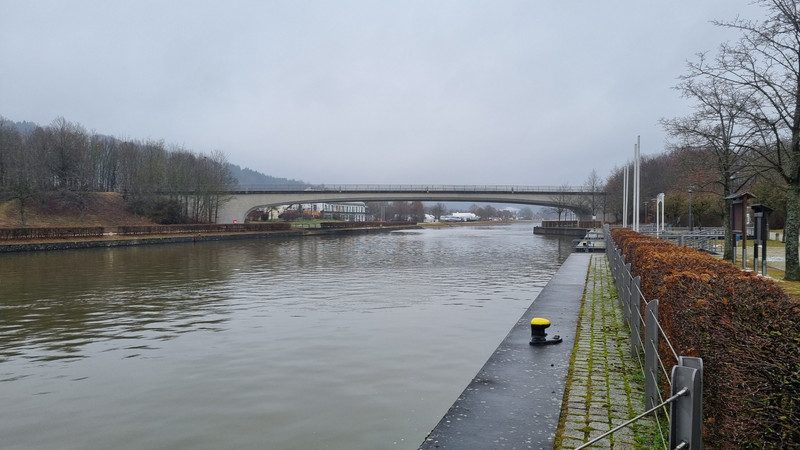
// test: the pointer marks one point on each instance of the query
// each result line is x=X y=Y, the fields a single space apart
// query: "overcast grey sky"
x=533 y=92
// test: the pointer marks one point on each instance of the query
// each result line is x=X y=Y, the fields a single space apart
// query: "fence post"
x=697 y=398
x=618 y=271
x=651 y=372
x=626 y=290
x=685 y=420
x=635 y=316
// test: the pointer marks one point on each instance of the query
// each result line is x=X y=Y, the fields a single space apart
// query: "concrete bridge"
x=244 y=199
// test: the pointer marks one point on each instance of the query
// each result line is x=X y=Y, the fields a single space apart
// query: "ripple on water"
x=346 y=342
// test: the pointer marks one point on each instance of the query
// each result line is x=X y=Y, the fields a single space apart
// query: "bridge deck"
x=246 y=198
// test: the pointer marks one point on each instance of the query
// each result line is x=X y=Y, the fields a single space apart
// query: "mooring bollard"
x=538 y=335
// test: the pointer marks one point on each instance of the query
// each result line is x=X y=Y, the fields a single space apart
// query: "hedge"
x=746 y=329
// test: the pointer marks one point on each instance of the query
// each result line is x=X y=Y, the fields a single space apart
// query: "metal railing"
x=415 y=188
x=709 y=240
x=685 y=377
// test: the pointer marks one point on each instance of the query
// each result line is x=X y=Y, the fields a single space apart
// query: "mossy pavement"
x=604 y=385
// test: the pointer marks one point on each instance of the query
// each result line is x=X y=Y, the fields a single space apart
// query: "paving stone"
x=569 y=443
x=602 y=443
x=575 y=430
x=602 y=367
x=599 y=423
x=625 y=434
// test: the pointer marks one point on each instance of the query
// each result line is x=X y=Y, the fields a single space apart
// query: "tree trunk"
x=792 y=232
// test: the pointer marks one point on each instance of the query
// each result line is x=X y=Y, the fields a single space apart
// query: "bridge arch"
x=244 y=200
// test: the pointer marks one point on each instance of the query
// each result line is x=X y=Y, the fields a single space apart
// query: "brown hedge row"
x=746 y=329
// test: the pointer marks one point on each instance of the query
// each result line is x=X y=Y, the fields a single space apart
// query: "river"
x=348 y=342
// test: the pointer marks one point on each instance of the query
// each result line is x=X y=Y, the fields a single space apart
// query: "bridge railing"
x=413 y=188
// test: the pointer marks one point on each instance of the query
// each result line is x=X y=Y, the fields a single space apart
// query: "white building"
x=346 y=211
x=460 y=217
x=266 y=213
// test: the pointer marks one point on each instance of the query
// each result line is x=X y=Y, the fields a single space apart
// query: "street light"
x=691 y=224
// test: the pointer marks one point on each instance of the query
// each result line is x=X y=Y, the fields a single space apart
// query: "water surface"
x=354 y=342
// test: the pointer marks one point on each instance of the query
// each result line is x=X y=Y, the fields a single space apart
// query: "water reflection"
x=54 y=304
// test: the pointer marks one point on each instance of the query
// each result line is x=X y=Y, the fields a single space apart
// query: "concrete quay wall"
x=515 y=399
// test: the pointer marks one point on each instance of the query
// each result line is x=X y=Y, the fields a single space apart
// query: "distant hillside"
x=249 y=177
x=245 y=176
x=23 y=127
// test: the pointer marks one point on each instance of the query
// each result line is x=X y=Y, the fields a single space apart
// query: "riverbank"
x=515 y=399
x=299 y=230
x=562 y=395
x=129 y=241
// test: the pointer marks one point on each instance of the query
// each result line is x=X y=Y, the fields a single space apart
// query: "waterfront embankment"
x=515 y=399
x=556 y=396
x=129 y=241
x=297 y=230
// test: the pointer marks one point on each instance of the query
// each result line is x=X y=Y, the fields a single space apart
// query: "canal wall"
x=182 y=239
x=515 y=399
x=561 y=231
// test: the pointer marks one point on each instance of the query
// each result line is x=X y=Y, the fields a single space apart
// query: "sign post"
x=739 y=221
x=760 y=235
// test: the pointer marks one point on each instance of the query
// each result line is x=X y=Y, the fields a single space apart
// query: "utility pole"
x=636 y=175
x=691 y=222
x=625 y=198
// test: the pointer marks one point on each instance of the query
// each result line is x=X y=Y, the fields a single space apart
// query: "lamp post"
x=691 y=223
x=645 y=213
x=659 y=213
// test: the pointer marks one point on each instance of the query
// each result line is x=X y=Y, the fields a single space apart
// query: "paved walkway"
x=556 y=396
x=515 y=399
x=602 y=391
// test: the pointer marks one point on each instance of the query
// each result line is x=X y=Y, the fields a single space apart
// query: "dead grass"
x=106 y=209
x=775 y=270
x=790 y=287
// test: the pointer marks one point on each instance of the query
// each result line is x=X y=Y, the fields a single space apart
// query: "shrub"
x=746 y=329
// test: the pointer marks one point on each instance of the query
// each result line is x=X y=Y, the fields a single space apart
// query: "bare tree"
x=526 y=213
x=417 y=211
x=594 y=185
x=63 y=157
x=720 y=133
x=437 y=210
x=764 y=64
x=222 y=181
x=561 y=200
x=19 y=177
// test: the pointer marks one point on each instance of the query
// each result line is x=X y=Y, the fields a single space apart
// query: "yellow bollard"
x=538 y=334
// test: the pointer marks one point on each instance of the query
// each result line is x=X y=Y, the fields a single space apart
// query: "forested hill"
x=249 y=177
x=165 y=183
x=244 y=176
